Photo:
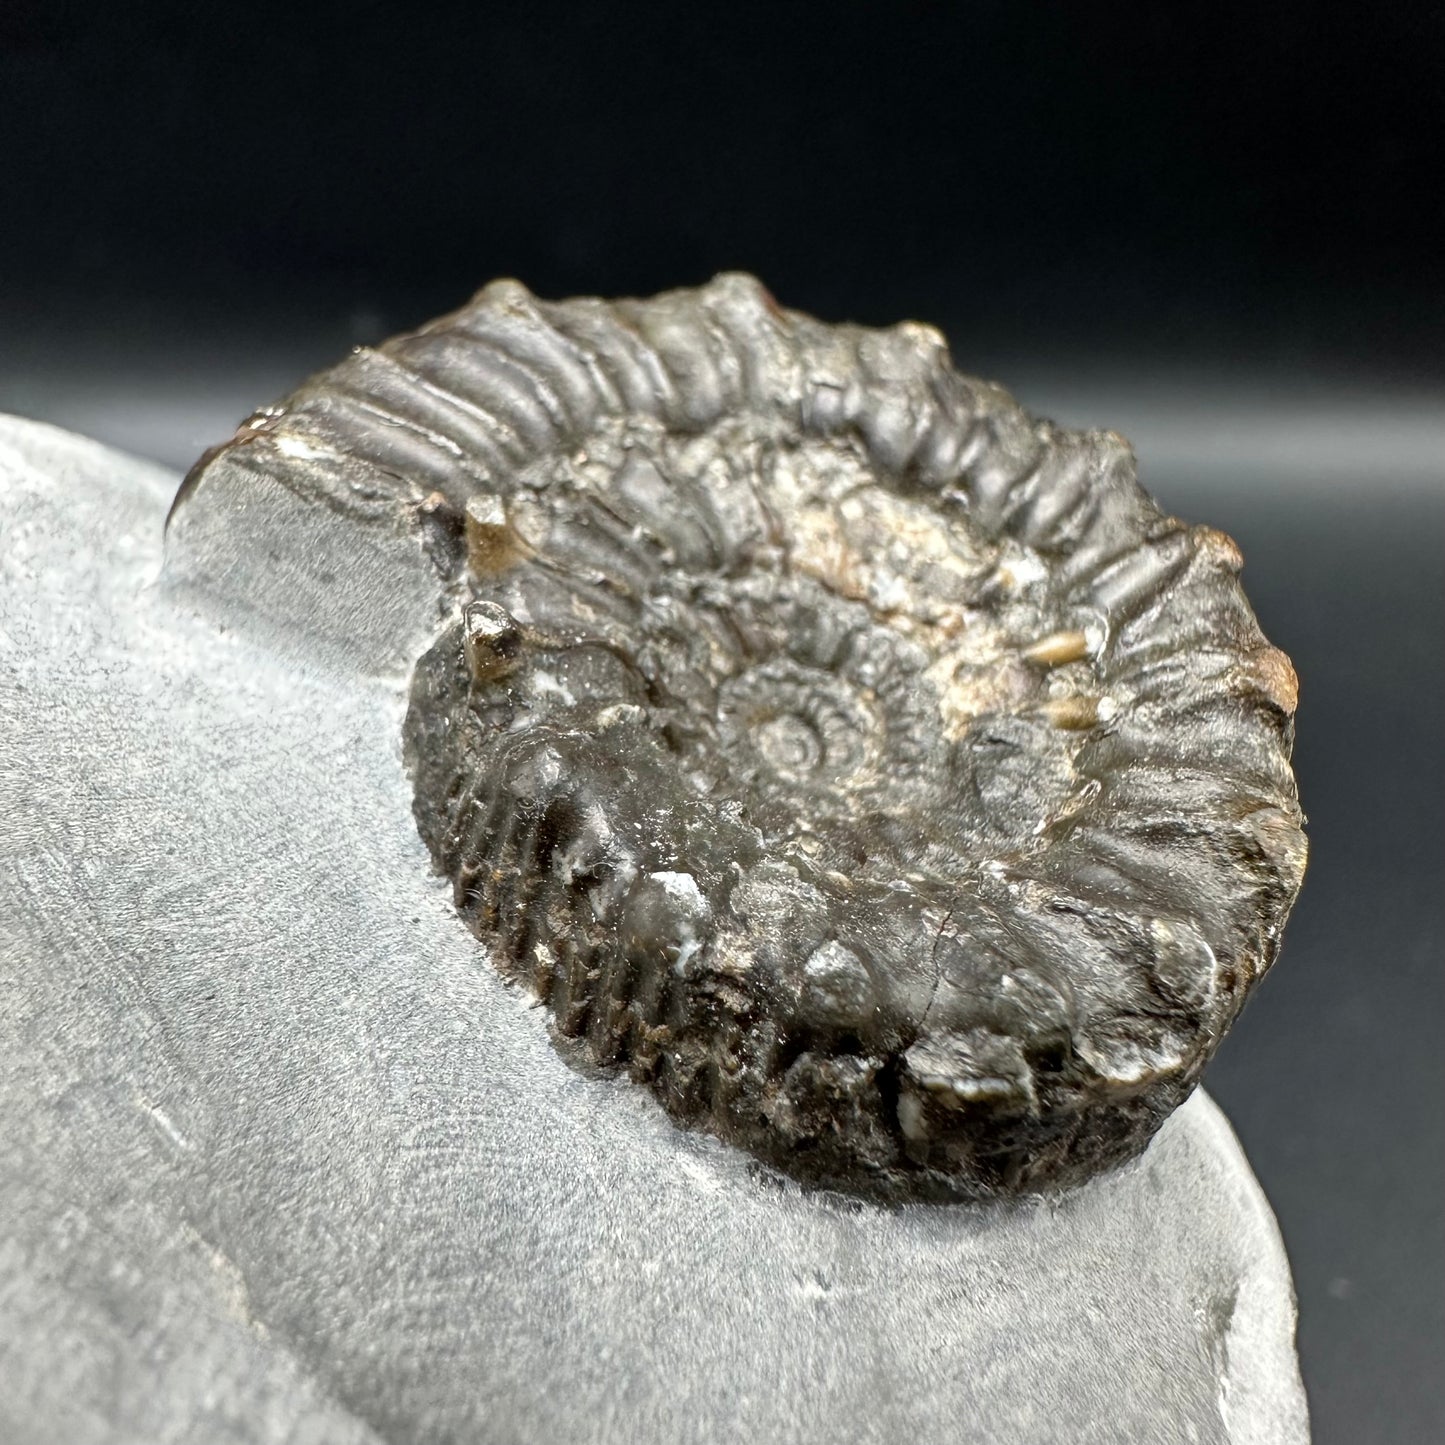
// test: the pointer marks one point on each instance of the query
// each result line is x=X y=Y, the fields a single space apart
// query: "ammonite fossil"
x=869 y=768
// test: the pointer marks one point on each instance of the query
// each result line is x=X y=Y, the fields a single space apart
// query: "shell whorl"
x=869 y=768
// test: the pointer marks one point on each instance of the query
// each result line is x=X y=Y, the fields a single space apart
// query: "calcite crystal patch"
x=870 y=769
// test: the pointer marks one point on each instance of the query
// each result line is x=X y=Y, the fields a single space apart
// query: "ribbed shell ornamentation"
x=871 y=770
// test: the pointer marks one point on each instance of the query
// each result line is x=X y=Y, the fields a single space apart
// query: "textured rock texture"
x=282 y=1164
x=870 y=768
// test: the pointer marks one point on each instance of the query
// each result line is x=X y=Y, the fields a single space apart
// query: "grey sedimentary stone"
x=282 y=1163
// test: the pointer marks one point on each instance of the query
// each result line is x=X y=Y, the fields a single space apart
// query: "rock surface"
x=284 y=1164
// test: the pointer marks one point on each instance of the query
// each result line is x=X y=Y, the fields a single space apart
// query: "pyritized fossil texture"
x=870 y=768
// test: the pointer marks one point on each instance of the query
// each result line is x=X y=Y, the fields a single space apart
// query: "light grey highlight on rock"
x=870 y=768
x=282 y=1164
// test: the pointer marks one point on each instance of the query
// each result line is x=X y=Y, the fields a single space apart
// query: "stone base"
x=286 y=1161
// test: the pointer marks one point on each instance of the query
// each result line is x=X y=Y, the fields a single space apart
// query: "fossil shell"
x=872 y=770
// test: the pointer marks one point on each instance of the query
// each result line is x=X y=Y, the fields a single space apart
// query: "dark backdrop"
x=1262 y=177
x=1216 y=228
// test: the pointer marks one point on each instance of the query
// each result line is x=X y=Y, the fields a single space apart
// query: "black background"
x=1216 y=228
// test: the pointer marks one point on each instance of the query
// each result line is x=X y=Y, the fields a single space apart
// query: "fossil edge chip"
x=869 y=768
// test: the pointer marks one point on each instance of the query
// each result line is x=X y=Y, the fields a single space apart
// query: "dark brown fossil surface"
x=871 y=769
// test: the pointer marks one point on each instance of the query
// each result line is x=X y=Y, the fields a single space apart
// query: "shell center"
x=790 y=745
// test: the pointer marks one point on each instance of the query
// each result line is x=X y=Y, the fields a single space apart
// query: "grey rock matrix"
x=287 y=1161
